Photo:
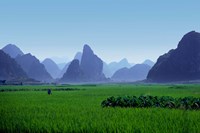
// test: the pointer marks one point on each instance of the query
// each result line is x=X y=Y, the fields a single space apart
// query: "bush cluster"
x=152 y=101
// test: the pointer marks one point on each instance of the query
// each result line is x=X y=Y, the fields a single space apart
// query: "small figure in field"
x=49 y=91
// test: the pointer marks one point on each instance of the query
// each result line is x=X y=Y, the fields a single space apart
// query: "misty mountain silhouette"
x=137 y=72
x=33 y=68
x=148 y=62
x=63 y=71
x=73 y=73
x=12 y=50
x=51 y=67
x=91 y=65
x=106 y=70
x=180 y=64
x=88 y=70
x=111 y=68
x=61 y=65
x=78 y=56
x=9 y=69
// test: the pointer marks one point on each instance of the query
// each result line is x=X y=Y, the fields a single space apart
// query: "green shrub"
x=152 y=101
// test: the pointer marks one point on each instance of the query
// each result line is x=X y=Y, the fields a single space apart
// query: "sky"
x=114 y=29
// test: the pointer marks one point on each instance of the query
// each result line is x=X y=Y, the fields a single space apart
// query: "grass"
x=80 y=110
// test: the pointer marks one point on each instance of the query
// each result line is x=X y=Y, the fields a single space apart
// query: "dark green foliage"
x=152 y=101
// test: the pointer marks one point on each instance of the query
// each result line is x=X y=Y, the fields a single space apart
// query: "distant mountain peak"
x=12 y=50
x=51 y=67
x=29 y=54
x=111 y=68
x=87 y=49
x=78 y=56
x=11 y=45
x=124 y=60
x=148 y=62
x=86 y=46
x=47 y=60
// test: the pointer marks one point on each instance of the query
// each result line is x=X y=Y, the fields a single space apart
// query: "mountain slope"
x=51 y=67
x=9 y=69
x=106 y=70
x=63 y=71
x=78 y=56
x=33 y=68
x=180 y=64
x=148 y=62
x=89 y=70
x=137 y=72
x=91 y=65
x=12 y=50
x=73 y=73
x=111 y=68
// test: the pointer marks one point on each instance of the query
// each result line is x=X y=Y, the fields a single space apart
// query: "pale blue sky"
x=135 y=29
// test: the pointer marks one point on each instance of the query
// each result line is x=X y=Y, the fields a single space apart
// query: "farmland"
x=77 y=108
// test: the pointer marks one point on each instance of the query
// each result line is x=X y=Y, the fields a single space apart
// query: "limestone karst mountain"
x=9 y=69
x=73 y=73
x=180 y=64
x=88 y=70
x=78 y=56
x=91 y=65
x=33 y=68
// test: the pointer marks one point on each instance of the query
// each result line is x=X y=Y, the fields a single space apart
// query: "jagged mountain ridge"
x=88 y=70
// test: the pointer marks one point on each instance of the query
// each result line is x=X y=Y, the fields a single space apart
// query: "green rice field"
x=77 y=108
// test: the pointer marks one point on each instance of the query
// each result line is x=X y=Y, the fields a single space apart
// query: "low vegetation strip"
x=37 y=89
x=190 y=103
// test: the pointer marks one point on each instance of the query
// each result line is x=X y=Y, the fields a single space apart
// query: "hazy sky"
x=135 y=29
